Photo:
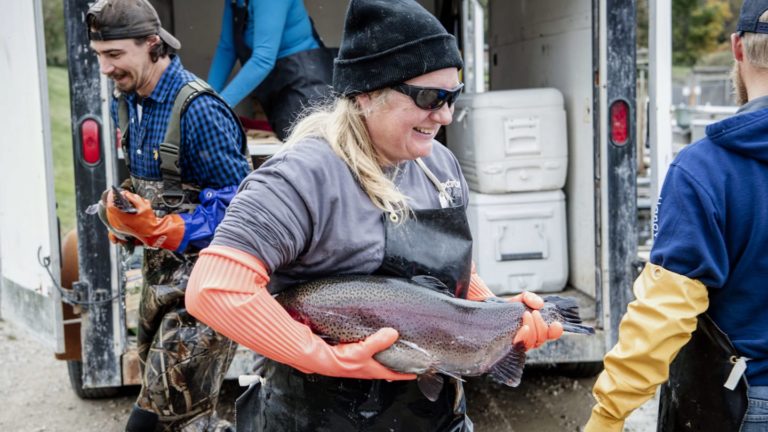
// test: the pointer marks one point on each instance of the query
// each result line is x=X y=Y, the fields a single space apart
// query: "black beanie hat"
x=386 y=42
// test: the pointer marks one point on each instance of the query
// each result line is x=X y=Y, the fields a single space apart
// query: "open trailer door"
x=29 y=245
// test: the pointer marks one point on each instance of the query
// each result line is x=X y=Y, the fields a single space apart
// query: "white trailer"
x=583 y=48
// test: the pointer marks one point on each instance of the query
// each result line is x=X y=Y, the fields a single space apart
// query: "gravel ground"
x=35 y=396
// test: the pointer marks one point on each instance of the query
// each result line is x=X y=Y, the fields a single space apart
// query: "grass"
x=61 y=140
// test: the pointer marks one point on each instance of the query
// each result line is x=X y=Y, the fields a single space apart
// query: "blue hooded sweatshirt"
x=712 y=226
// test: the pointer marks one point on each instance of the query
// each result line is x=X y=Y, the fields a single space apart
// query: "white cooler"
x=511 y=140
x=520 y=241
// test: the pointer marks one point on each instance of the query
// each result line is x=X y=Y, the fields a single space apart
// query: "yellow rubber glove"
x=656 y=326
x=534 y=331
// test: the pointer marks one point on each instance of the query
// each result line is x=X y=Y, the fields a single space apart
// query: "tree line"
x=699 y=27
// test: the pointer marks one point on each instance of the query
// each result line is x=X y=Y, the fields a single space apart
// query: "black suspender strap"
x=171 y=145
x=170 y=148
x=123 y=119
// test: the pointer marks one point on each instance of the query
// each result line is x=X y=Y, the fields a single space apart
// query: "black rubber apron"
x=434 y=242
x=695 y=398
x=297 y=80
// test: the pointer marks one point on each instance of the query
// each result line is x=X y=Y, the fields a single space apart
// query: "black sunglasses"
x=430 y=98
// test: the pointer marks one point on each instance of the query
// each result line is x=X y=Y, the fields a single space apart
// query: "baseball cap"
x=126 y=19
x=749 y=18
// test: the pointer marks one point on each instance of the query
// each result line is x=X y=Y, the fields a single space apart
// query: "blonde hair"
x=756 y=46
x=342 y=124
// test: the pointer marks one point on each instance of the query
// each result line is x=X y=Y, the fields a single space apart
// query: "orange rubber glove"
x=165 y=232
x=227 y=291
x=534 y=331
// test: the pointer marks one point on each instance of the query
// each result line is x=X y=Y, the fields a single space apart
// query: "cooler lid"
x=548 y=196
x=523 y=98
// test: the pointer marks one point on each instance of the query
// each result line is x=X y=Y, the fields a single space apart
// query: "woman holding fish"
x=361 y=188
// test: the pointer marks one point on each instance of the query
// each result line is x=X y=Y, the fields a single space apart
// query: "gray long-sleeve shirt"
x=305 y=216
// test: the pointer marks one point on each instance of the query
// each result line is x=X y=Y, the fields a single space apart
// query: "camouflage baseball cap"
x=126 y=19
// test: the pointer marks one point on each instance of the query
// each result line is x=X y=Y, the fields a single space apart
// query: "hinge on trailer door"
x=81 y=293
x=86 y=296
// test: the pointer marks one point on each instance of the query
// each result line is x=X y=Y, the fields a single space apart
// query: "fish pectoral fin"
x=432 y=283
x=430 y=384
x=509 y=370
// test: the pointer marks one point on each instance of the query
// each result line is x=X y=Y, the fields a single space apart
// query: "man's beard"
x=739 y=90
x=127 y=86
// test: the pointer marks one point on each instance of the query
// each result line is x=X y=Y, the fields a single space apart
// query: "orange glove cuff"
x=478 y=290
x=168 y=233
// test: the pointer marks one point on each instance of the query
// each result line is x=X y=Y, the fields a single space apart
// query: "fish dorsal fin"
x=509 y=370
x=430 y=384
x=432 y=283
x=495 y=300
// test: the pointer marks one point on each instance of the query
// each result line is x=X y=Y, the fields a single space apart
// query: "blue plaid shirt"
x=210 y=153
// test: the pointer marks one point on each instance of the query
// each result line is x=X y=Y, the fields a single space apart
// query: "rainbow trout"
x=439 y=333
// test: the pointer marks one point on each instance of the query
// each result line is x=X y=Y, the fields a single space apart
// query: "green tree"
x=642 y=23
x=698 y=28
x=730 y=24
x=55 y=34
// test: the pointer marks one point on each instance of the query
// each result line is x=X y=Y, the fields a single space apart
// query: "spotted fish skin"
x=438 y=332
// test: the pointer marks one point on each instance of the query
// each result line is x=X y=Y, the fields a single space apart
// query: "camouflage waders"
x=183 y=361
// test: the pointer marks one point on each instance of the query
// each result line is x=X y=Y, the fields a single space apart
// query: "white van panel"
x=27 y=203
x=548 y=43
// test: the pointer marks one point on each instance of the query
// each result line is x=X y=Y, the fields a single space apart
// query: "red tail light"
x=90 y=142
x=619 y=122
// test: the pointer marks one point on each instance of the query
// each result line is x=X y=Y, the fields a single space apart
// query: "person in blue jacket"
x=700 y=317
x=283 y=59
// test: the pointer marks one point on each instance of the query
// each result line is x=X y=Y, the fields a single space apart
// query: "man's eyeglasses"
x=430 y=98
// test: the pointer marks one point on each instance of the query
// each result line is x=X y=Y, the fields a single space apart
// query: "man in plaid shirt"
x=179 y=201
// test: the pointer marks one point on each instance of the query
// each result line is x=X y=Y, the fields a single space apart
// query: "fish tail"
x=566 y=307
x=578 y=328
x=568 y=311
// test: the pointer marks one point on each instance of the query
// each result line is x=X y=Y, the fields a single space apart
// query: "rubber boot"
x=207 y=423
x=141 y=420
